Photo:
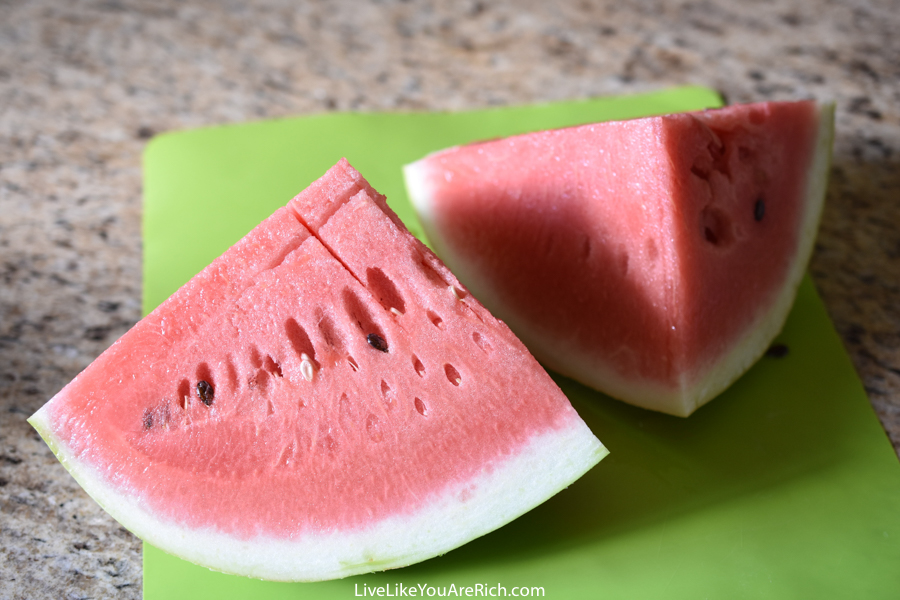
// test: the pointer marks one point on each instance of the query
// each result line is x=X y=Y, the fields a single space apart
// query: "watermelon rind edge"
x=680 y=400
x=543 y=467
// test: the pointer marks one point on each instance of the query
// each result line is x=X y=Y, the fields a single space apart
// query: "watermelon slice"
x=653 y=259
x=324 y=399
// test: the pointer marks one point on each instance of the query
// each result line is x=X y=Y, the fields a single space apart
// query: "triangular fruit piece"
x=324 y=399
x=653 y=259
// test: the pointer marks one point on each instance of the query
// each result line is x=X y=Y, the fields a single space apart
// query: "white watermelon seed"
x=306 y=367
x=396 y=312
x=455 y=292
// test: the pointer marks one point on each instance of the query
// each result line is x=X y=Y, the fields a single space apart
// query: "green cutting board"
x=783 y=487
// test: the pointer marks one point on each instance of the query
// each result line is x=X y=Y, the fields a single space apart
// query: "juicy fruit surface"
x=326 y=375
x=632 y=255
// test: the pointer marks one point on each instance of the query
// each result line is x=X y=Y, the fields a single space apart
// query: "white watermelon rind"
x=557 y=355
x=547 y=464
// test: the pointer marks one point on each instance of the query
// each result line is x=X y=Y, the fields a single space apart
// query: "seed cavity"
x=206 y=392
x=204 y=373
x=298 y=338
x=272 y=367
x=329 y=332
x=481 y=342
x=435 y=320
x=307 y=369
x=346 y=408
x=377 y=342
x=430 y=272
x=232 y=373
x=716 y=226
x=259 y=381
x=453 y=375
x=255 y=357
x=420 y=407
x=384 y=290
x=147 y=420
x=387 y=394
x=418 y=366
x=184 y=393
x=701 y=171
x=359 y=313
x=759 y=209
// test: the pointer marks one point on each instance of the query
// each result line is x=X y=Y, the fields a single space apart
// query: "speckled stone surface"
x=83 y=85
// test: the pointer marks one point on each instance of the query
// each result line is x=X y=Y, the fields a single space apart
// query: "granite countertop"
x=84 y=85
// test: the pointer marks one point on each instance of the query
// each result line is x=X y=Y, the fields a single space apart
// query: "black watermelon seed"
x=777 y=351
x=377 y=342
x=759 y=209
x=206 y=392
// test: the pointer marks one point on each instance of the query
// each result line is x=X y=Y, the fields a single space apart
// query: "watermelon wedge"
x=653 y=259
x=324 y=399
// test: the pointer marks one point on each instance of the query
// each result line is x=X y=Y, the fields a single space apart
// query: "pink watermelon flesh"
x=314 y=449
x=653 y=259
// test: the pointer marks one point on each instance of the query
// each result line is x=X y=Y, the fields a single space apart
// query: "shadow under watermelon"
x=786 y=419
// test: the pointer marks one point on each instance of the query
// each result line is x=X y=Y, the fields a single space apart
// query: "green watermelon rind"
x=681 y=400
x=544 y=466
